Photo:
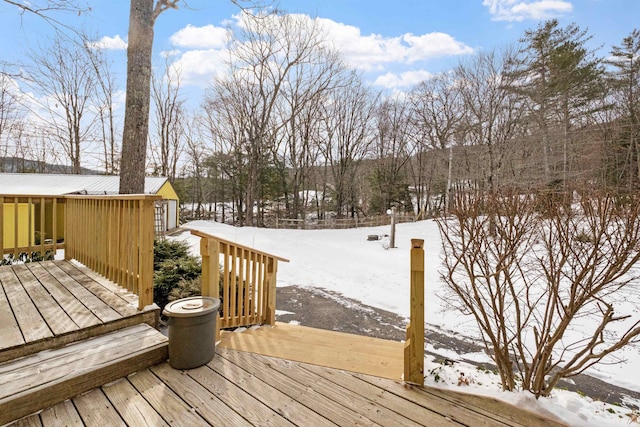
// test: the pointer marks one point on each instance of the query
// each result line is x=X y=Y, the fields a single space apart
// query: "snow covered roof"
x=58 y=184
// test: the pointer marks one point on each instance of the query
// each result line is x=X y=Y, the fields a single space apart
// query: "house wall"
x=169 y=194
x=26 y=231
x=48 y=220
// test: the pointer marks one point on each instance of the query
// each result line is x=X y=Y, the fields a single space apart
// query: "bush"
x=25 y=257
x=174 y=268
x=186 y=288
x=552 y=294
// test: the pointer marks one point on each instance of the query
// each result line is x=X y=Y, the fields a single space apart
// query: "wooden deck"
x=244 y=389
x=304 y=377
x=49 y=304
x=354 y=353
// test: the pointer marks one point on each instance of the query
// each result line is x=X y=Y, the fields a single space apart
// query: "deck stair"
x=38 y=381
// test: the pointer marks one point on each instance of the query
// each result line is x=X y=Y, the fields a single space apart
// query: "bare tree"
x=303 y=92
x=348 y=134
x=541 y=280
x=388 y=178
x=197 y=154
x=10 y=110
x=168 y=113
x=48 y=10
x=492 y=112
x=65 y=76
x=278 y=64
x=436 y=114
x=104 y=104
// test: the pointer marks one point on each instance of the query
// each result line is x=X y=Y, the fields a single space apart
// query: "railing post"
x=210 y=253
x=414 y=345
x=1 y=227
x=145 y=296
x=271 y=277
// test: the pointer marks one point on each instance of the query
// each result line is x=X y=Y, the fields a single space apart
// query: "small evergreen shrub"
x=174 y=269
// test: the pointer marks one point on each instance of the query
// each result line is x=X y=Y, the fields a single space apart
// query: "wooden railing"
x=414 y=345
x=243 y=278
x=31 y=225
x=113 y=235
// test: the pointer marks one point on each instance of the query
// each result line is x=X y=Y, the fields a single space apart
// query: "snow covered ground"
x=344 y=261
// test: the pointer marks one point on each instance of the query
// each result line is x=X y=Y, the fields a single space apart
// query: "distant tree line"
x=291 y=130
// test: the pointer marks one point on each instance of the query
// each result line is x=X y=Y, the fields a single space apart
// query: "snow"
x=345 y=262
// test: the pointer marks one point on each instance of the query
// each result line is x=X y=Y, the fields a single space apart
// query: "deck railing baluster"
x=249 y=296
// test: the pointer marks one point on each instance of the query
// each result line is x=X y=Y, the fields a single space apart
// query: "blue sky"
x=394 y=43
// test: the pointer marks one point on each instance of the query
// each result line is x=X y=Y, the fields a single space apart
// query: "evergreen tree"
x=558 y=76
x=624 y=79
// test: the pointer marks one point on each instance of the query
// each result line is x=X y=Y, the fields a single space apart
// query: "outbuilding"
x=31 y=184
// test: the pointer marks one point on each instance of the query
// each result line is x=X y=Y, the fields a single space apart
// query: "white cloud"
x=372 y=52
x=199 y=67
x=406 y=79
x=205 y=49
x=207 y=37
x=433 y=45
x=515 y=10
x=110 y=43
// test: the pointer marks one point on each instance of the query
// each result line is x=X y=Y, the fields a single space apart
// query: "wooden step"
x=35 y=382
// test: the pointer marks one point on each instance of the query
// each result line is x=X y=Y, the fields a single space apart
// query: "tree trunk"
x=136 y=122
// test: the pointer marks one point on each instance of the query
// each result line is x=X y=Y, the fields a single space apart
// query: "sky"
x=346 y=263
x=394 y=44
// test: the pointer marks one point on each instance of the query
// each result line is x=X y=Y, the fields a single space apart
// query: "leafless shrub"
x=550 y=294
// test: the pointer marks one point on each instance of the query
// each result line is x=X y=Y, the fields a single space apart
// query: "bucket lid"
x=191 y=307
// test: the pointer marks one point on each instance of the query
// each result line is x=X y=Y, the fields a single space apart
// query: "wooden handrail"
x=244 y=278
x=414 y=345
x=113 y=235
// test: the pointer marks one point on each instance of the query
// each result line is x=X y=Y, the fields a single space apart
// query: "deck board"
x=379 y=396
x=338 y=350
x=98 y=307
x=10 y=334
x=53 y=303
x=70 y=303
x=285 y=405
x=32 y=325
x=55 y=317
x=206 y=403
x=95 y=409
x=306 y=396
x=336 y=393
x=171 y=407
x=115 y=300
x=131 y=405
x=227 y=390
x=61 y=415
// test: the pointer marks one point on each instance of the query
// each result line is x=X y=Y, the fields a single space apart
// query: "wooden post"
x=1 y=227
x=392 y=237
x=414 y=345
x=145 y=296
x=210 y=253
x=270 y=277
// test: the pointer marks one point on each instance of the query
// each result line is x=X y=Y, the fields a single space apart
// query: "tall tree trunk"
x=136 y=121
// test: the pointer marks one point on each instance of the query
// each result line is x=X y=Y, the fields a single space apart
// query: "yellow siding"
x=25 y=236
x=167 y=191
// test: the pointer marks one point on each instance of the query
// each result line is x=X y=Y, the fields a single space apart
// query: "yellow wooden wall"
x=169 y=193
x=9 y=228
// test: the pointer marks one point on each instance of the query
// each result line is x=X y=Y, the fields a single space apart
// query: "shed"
x=30 y=184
